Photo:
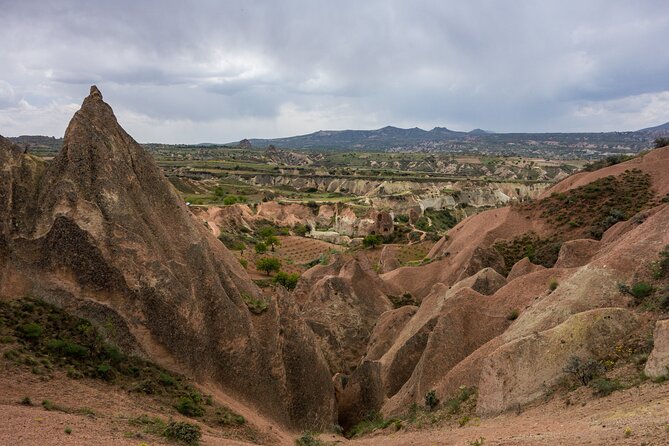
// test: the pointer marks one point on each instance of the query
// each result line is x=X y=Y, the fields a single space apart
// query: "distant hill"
x=40 y=145
x=658 y=130
x=439 y=139
x=443 y=139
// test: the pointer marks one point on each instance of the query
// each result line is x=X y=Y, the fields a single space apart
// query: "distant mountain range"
x=443 y=139
x=439 y=139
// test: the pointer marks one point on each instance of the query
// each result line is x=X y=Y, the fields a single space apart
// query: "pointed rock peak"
x=95 y=92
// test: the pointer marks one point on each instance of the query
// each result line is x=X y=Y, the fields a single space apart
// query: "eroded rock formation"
x=101 y=232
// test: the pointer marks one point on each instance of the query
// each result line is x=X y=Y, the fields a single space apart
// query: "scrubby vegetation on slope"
x=46 y=340
x=584 y=212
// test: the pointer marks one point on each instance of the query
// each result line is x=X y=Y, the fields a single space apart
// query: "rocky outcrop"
x=362 y=395
x=388 y=260
x=525 y=369
x=101 y=232
x=657 y=365
x=577 y=253
x=342 y=304
x=522 y=267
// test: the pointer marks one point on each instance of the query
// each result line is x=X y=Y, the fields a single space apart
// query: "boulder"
x=657 y=365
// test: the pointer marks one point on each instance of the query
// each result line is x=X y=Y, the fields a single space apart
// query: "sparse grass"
x=256 y=306
x=308 y=439
x=591 y=209
x=372 y=423
x=605 y=387
x=540 y=251
x=74 y=346
x=418 y=416
x=403 y=300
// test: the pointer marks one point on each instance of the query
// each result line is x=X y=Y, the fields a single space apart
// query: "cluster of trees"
x=273 y=265
x=268 y=239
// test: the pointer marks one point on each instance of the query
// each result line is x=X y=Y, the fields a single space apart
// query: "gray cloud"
x=217 y=71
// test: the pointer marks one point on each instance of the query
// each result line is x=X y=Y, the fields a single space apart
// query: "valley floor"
x=636 y=416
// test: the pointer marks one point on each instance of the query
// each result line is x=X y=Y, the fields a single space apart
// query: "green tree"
x=272 y=241
x=371 y=241
x=268 y=264
x=266 y=232
x=261 y=248
x=230 y=199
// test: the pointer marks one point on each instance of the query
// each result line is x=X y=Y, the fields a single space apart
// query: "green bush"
x=105 y=371
x=181 y=431
x=552 y=285
x=256 y=306
x=371 y=241
x=300 y=230
x=641 y=290
x=229 y=200
x=288 y=281
x=604 y=386
x=189 y=405
x=431 y=400
x=307 y=439
x=31 y=330
x=166 y=379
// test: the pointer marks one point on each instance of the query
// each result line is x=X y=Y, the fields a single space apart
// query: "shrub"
x=552 y=285
x=300 y=230
x=26 y=401
x=68 y=430
x=661 y=142
x=453 y=404
x=105 y=371
x=604 y=387
x=184 y=432
x=307 y=439
x=31 y=331
x=661 y=267
x=189 y=406
x=583 y=370
x=641 y=290
x=512 y=316
x=268 y=264
x=166 y=379
x=371 y=241
x=229 y=200
x=404 y=299
x=288 y=281
x=431 y=400
x=244 y=263
x=256 y=306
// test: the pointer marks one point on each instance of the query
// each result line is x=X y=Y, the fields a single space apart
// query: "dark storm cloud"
x=218 y=71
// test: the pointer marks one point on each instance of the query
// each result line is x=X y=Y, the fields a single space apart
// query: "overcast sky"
x=219 y=71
